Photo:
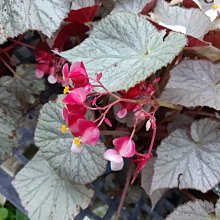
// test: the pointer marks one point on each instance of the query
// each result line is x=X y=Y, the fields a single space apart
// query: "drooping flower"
x=124 y=147
x=77 y=75
x=75 y=97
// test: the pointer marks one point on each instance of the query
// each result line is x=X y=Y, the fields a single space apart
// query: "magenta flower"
x=124 y=147
x=75 y=97
x=76 y=75
x=88 y=134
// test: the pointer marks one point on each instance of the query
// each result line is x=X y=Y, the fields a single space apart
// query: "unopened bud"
x=148 y=125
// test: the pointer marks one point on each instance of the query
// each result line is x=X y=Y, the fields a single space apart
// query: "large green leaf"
x=194 y=83
x=56 y=147
x=8 y=138
x=18 y=16
x=25 y=84
x=47 y=196
x=189 y=158
x=127 y=49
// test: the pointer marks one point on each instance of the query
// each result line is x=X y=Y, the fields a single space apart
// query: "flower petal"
x=52 y=79
x=75 y=96
x=125 y=146
x=116 y=166
x=89 y=133
x=39 y=73
x=76 y=149
x=113 y=156
x=65 y=71
x=122 y=112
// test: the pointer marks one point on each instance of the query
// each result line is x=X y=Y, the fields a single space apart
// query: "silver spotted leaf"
x=78 y=4
x=56 y=147
x=8 y=139
x=45 y=195
x=194 y=83
x=8 y=101
x=127 y=49
x=191 y=21
x=24 y=84
x=189 y=158
x=197 y=210
x=132 y=6
x=16 y=16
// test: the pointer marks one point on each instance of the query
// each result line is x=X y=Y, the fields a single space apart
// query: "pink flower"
x=75 y=96
x=77 y=75
x=124 y=147
x=88 y=131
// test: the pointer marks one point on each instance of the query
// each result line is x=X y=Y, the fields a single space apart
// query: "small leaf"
x=127 y=49
x=16 y=17
x=3 y=213
x=189 y=159
x=8 y=138
x=194 y=21
x=47 y=196
x=25 y=84
x=194 y=83
x=56 y=147
x=132 y=6
x=9 y=102
x=197 y=210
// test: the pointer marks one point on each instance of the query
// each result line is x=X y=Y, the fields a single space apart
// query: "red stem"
x=8 y=66
x=125 y=190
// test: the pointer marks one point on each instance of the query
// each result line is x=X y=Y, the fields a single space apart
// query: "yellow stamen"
x=63 y=128
x=214 y=6
x=66 y=90
x=77 y=141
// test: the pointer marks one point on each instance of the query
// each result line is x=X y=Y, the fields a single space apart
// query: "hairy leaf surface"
x=25 y=84
x=132 y=6
x=56 y=147
x=18 y=16
x=194 y=83
x=8 y=138
x=47 y=196
x=127 y=49
x=189 y=159
x=198 y=210
x=193 y=21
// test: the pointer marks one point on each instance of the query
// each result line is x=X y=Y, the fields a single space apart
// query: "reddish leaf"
x=83 y=15
x=213 y=37
x=148 y=7
x=189 y=4
x=63 y=39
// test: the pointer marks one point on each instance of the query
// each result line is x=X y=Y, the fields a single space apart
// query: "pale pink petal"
x=122 y=112
x=75 y=66
x=89 y=133
x=113 y=156
x=65 y=71
x=98 y=76
x=125 y=146
x=39 y=73
x=51 y=79
x=139 y=115
x=148 y=125
x=88 y=88
x=107 y=121
x=116 y=166
x=76 y=149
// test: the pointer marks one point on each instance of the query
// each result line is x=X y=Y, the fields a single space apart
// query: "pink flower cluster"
x=81 y=95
